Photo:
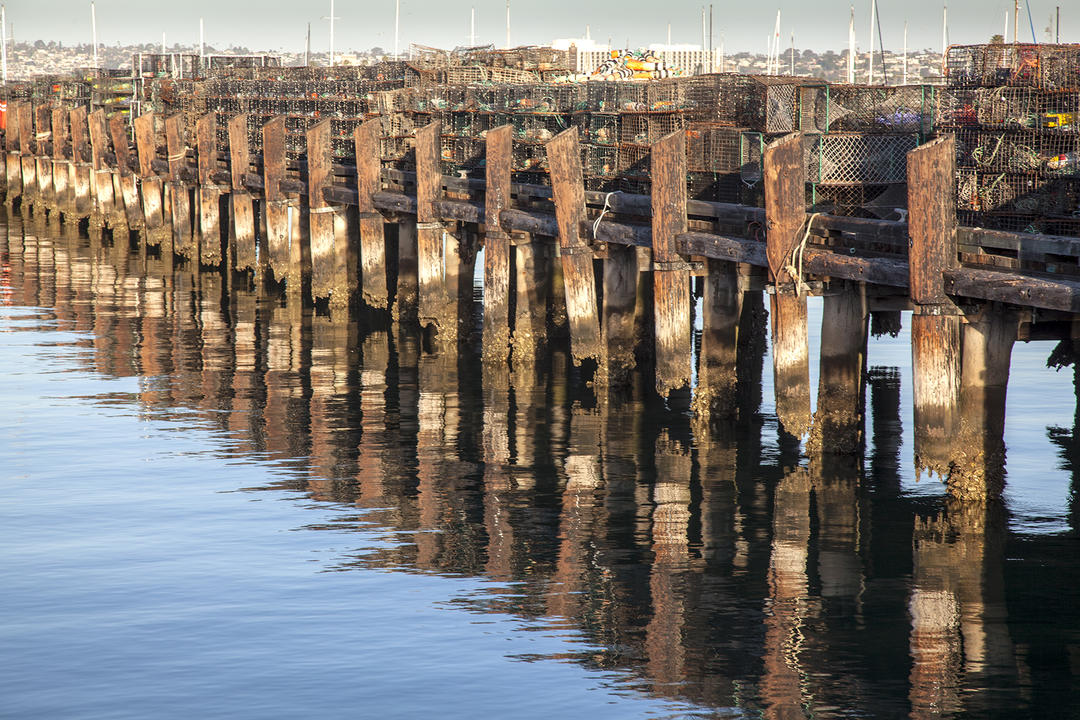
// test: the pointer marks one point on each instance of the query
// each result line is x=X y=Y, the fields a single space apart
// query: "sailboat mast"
x=873 y=19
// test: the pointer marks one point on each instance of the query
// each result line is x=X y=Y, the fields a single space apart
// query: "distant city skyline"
x=361 y=26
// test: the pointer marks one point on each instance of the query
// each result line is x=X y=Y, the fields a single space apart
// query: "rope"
x=607 y=198
x=796 y=270
x=977 y=154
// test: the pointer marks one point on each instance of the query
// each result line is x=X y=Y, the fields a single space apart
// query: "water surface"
x=218 y=504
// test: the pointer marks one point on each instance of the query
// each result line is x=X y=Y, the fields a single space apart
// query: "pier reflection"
x=712 y=562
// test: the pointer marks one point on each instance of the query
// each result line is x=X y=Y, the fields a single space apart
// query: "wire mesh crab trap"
x=633 y=161
x=1059 y=67
x=601 y=129
x=395 y=149
x=467 y=75
x=715 y=149
x=547 y=98
x=855 y=108
x=884 y=202
x=666 y=95
x=529 y=157
x=539 y=128
x=1007 y=150
x=851 y=158
x=599 y=160
x=461 y=155
x=1017 y=193
x=647 y=128
x=603 y=96
x=1049 y=67
x=761 y=103
x=751 y=157
x=1020 y=222
x=1059 y=111
x=341 y=136
x=463 y=124
x=715 y=187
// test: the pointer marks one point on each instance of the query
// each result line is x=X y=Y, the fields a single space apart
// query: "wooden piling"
x=329 y=248
x=935 y=323
x=620 y=303
x=532 y=282
x=373 y=269
x=210 y=246
x=715 y=394
x=568 y=188
x=785 y=213
x=27 y=143
x=841 y=401
x=437 y=308
x=126 y=178
x=179 y=190
x=150 y=184
x=931 y=219
x=81 y=169
x=105 y=210
x=241 y=208
x=407 y=294
x=935 y=351
x=978 y=469
x=43 y=163
x=13 y=165
x=497 y=278
x=61 y=163
x=275 y=203
x=671 y=274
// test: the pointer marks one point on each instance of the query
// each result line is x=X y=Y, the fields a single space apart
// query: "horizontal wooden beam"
x=1014 y=288
x=1021 y=243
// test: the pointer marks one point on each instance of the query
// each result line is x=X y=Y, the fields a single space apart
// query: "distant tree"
x=377 y=51
x=997 y=39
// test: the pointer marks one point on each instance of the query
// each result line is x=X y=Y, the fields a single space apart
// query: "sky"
x=363 y=24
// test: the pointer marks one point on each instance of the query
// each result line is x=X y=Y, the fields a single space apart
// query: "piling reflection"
x=711 y=561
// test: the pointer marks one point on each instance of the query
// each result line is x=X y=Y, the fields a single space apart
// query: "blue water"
x=232 y=509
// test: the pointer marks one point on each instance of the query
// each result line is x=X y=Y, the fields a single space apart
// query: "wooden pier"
x=612 y=277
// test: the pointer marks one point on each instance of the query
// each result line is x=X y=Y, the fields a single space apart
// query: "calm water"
x=214 y=504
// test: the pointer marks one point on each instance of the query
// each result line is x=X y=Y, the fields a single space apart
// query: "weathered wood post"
x=151 y=187
x=277 y=207
x=27 y=143
x=715 y=394
x=568 y=188
x=838 y=421
x=42 y=160
x=80 y=174
x=210 y=245
x=978 y=469
x=241 y=208
x=497 y=276
x=671 y=274
x=935 y=322
x=407 y=295
x=330 y=249
x=179 y=189
x=373 y=270
x=533 y=256
x=126 y=178
x=105 y=210
x=13 y=167
x=619 y=307
x=61 y=165
x=785 y=212
x=437 y=307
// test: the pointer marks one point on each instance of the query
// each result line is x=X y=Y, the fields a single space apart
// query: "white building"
x=586 y=55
